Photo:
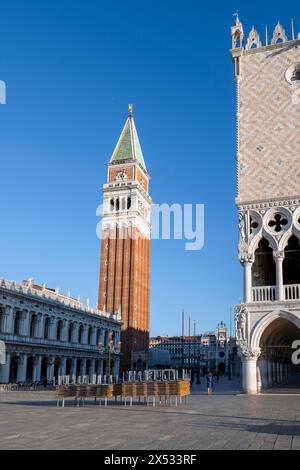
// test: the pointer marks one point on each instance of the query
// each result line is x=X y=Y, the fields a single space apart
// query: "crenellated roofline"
x=254 y=43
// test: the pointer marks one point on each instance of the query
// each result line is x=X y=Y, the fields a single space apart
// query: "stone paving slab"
x=30 y=420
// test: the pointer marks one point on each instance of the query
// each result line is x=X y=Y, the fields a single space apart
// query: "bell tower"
x=267 y=75
x=125 y=249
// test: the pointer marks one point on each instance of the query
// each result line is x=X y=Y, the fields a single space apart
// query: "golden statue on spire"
x=130 y=107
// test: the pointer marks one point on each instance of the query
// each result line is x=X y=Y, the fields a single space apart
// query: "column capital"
x=246 y=258
x=50 y=360
x=278 y=255
x=22 y=358
x=248 y=354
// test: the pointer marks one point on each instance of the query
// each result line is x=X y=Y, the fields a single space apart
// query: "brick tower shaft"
x=125 y=249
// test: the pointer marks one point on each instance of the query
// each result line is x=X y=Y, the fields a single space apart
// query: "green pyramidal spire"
x=128 y=146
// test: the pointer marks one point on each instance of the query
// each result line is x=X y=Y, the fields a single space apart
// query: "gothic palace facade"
x=268 y=201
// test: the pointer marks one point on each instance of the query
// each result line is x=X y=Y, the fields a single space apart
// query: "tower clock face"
x=121 y=175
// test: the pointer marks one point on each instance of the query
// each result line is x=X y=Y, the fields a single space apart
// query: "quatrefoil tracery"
x=278 y=222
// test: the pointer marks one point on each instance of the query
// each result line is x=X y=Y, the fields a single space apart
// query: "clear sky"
x=71 y=67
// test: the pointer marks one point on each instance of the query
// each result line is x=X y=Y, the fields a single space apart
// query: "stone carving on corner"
x=279 y=34
x=246 y=257
x=249 y=353
x=253 y=40
x=242 y=246
x=240 y=324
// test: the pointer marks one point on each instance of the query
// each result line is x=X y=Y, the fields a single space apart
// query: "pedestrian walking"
x=210 y=383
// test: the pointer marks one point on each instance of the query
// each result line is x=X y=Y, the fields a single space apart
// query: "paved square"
x=226 y=420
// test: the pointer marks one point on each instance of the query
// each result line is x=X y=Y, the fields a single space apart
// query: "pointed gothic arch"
x=279 y=35
x=264 y=267
x=253 y=40
x=291 y=262
x=257 y=239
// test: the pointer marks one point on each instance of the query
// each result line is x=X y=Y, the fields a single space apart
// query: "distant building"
x=47 y=334
x=213 y=351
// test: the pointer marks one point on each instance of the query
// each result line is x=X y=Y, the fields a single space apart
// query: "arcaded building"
x=47 y=334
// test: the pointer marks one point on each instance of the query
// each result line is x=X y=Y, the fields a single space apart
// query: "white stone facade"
x=47 y=335
x=268 y=202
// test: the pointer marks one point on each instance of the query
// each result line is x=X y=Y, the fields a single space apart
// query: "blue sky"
x=71 y=68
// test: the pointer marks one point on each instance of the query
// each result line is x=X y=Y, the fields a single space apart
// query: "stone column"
x=116 y=367
x=84 y=335
x=50 y=369
x=274 y=372
x=99 y=369
x=24 y=326
x=40 y=325
x=64 y=332
x=264 y=373
x=75 y=333
x=7 y=322
x=279 y=257
x=270 y=372
x=91 y=370
x=249 y=362
x=62 y=369
x=73 y=366
x=37 y=368
x=22 y=368
x=82 y=366
x=278 y=373
x=247 y=260
x=4 y=370
x=259 y=375
x=281 y=372
x=52 y=327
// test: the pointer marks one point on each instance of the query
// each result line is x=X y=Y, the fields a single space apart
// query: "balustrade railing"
x=263 y=293
x=292 y=291
x=268 y=293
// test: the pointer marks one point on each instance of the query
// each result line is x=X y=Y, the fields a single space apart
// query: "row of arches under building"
x=278 y=365
x=72 y=367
